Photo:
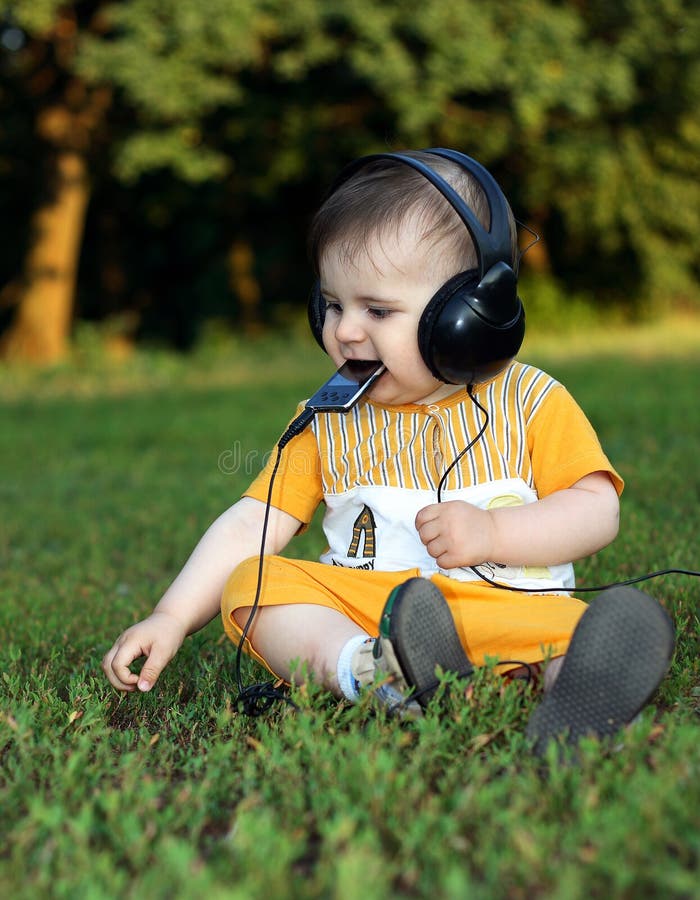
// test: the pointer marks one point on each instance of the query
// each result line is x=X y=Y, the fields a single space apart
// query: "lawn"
x=109 y=475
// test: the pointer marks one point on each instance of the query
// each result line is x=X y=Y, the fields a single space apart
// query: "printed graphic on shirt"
x=391 y=513
x=363 y=532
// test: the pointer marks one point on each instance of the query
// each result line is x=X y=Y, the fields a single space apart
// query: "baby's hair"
x=383 y=195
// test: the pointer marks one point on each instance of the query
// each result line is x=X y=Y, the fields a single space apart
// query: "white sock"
x=348 y=684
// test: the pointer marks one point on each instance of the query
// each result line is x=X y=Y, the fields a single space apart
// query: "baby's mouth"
x=363 y=368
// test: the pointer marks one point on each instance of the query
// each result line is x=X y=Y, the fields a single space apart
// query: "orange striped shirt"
x=536 y=432
x=390 y=460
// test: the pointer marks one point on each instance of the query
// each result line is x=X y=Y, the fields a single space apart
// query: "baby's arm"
x=193 y=599
x=562 y=527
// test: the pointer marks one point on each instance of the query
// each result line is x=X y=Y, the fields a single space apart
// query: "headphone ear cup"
x=317 y=313
x=471 y=329
x=432 y=313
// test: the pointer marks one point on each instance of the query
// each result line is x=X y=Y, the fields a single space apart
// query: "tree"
x=66 y=114
x=586 y=113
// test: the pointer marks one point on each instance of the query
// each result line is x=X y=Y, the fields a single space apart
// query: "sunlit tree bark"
x=67 y=115
x=42 y=322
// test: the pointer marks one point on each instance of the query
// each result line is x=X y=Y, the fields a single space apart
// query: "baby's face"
x=373 y=307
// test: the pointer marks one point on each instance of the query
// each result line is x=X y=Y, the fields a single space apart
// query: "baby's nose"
x=349 y=328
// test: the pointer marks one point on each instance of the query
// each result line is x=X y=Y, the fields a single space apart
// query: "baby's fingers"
x=154 y=665
x=116 y=664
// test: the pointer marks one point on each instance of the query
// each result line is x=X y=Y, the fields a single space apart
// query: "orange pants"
x=491 y=623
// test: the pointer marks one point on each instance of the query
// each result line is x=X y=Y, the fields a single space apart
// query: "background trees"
x=196 y=139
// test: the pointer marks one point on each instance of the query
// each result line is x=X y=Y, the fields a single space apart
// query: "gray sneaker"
x=619 y=653
x=416 y=636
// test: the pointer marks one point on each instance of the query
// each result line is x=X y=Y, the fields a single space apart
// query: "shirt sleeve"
x=297 y=487
x=564 y=446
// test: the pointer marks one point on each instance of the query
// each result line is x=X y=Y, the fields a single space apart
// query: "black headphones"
x=475 y=323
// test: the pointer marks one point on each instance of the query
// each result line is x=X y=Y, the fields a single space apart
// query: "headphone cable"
x=472 y=442
x=580 y=590
x=256 y=699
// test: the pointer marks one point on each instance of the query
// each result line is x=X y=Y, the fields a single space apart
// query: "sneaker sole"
x=619 y=653
x=418 y=624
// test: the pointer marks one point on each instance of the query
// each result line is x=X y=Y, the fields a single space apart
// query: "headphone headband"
x=491 y=246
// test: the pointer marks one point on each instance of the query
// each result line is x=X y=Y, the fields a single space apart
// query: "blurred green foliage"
x=228 y=119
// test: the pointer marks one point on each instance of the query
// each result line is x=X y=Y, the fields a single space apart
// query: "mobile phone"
x=342 y=390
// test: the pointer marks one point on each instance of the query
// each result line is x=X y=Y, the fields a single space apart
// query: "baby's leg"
x=552 y=671
x=309 y=615
x=301 y=635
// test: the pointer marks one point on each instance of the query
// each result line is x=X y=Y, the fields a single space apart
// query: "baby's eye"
x=332 y=306
x=378 y=312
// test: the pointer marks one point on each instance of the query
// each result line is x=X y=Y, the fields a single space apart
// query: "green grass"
x=108 y=478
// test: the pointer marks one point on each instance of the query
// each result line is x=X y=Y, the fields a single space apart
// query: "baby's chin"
x=387 y=392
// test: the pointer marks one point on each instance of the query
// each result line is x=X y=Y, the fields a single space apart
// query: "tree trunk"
x=42 y=322
x=241 y=266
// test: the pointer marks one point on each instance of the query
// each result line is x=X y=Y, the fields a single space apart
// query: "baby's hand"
x=158 y=638
x=456 y=533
